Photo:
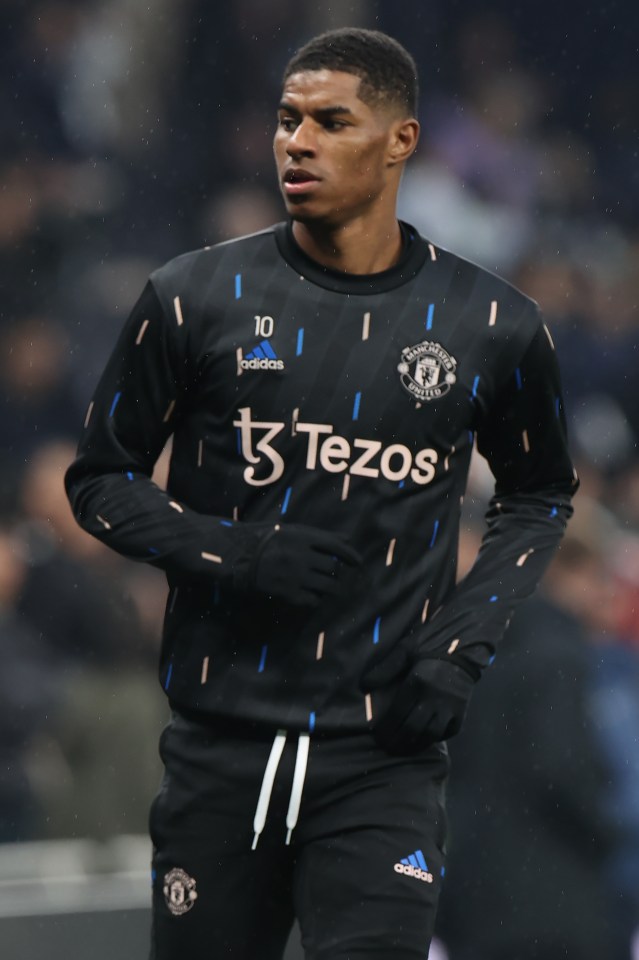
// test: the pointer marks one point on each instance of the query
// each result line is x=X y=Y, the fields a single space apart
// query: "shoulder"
x=493 y=313
x=479 y=281
x=222 y=260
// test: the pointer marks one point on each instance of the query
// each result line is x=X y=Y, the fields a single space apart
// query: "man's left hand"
x=416 y=703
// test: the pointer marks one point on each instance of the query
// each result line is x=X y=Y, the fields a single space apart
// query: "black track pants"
x=362 y=872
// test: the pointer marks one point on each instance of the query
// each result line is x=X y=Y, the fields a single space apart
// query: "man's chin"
x=302 y=216
x=299 y=208
x=301 y=212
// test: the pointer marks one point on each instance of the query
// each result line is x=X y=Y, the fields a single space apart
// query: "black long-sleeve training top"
x=297 y=394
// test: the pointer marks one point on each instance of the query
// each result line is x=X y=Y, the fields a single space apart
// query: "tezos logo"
x=427 y=370
x=328 y=451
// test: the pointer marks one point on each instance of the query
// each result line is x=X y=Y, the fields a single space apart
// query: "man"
x=324 y=382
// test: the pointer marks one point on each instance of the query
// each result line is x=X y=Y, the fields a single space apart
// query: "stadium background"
x=132 y=130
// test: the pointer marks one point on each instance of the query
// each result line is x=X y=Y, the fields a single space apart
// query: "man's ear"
x=403 y=140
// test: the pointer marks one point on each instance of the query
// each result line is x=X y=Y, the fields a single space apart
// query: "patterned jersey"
x=298 y=394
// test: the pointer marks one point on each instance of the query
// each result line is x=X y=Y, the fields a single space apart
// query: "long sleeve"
x=144 y=390
x=297 y=451
x=523 y=437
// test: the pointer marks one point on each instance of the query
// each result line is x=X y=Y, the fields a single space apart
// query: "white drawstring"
x=299 y=776
x=267 y=785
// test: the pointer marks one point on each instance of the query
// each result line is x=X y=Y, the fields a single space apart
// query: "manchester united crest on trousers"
x=179 y=891
x=427 y=371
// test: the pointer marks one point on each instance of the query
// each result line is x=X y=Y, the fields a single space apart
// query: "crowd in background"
x=133 y=130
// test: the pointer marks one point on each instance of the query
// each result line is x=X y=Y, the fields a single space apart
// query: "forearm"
x=524 y=530
x=523 y=437
x=137 y=405
x=132 y=515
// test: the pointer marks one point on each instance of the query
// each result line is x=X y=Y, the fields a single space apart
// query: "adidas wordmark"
x=413 y=872
x=261 y=364
x=414 y=866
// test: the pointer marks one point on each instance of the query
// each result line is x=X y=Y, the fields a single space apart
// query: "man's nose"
x=302 y=142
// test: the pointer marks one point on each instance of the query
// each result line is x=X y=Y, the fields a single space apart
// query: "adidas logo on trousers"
x=414 y=866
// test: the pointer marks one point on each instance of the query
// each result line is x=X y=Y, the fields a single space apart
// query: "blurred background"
x=133 y=130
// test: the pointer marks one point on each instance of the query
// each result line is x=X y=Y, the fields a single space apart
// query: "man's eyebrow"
x=284 y=105
x=328 y=111
x=320 y=111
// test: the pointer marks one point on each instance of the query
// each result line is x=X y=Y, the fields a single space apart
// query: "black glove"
x=301 y=564
x=417 y=702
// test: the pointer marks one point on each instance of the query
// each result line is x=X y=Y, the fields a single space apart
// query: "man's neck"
x=358 y=247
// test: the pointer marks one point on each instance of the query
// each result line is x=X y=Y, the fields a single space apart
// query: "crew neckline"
x=412 y=259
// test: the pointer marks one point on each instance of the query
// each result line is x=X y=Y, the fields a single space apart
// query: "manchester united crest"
x=427 y=371
x=179 y=891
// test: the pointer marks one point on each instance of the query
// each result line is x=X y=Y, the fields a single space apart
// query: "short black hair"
x=386 y=69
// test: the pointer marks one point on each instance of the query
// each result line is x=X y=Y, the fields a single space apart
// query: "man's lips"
x=297 y=180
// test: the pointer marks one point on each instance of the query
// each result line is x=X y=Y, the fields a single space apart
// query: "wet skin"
x=339 y=162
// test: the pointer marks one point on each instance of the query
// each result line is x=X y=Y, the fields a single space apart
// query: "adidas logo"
x=262 y=357
x=414 y=866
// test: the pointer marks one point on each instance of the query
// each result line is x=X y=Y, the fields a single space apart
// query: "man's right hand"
x=301 y=564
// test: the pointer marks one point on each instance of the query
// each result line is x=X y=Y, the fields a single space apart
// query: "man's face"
x=331 y=148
